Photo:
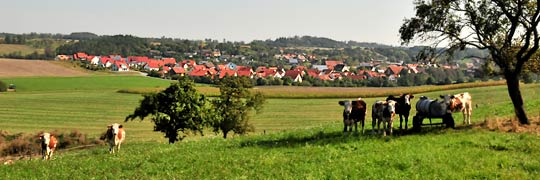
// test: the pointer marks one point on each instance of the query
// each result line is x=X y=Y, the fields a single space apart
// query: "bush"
x=28 y=144
x=3 y=86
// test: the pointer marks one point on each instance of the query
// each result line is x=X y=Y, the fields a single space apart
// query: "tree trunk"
x=512 y=82
x=225 y=134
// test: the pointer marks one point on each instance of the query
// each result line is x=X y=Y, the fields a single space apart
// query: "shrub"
x=3 y=86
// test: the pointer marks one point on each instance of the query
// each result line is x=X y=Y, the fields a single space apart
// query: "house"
x=313 y=73
x=153 y=65
x=119 y=66
x=319 y=67
x=293 y=61
x=188 y=64
x=170 y=61
x=105 y=61
x=392 y=72
x=80 y=56
x=295 y=75
x=231 y=66
x=332 y=64
x=227 y=72
x=94 y=60
x=199 y=73
x=341 y=68
x=62 y=57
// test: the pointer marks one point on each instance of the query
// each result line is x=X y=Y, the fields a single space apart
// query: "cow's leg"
x=363 y=122
x=373 y=122
x=390 y=126
x=344 y=125
x=469 y=112
x=384 y=126
x=406 y=121
x=400 y=122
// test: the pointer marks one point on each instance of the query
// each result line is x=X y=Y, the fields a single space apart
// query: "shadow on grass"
x=336 y=137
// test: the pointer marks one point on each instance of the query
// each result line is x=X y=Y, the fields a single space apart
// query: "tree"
x=507 y=29
x=233 y=106
x=179 y=108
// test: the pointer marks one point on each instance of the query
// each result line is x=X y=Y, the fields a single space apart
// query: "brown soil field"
x=27 y=68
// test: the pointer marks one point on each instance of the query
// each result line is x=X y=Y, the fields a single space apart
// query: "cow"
x=48 y=145
x=383 y=111
x=353 y=112
x=403 y=107
x=115 y=135
x=460 y=102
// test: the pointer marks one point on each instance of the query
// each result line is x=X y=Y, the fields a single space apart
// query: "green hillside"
x=294 y=139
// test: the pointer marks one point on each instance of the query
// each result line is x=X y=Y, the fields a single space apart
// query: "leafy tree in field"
x=177 y=109
x=508 y=29
x=233 y=106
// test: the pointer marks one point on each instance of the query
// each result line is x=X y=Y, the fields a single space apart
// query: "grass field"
x=303 y=138
x=24 y=49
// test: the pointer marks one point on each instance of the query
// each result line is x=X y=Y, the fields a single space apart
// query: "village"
x=331 y=70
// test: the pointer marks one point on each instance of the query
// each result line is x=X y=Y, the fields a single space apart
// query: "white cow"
x=115 y=135
x=48 y=145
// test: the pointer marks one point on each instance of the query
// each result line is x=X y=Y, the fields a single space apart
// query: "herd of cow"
x=384 y=111
x=114 y=136
x=354 y=112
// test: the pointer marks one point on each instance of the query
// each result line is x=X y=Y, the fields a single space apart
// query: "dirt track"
x=26 y=68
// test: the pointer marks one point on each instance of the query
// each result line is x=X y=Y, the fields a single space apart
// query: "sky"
x=233 y=20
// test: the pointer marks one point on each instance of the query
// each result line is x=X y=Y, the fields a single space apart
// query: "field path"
x=26 y=68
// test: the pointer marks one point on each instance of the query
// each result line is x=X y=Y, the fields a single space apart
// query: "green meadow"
x=294 y=138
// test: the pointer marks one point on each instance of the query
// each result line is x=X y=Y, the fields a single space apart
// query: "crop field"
x=34 y=68
x=295 y=138
x=24 y=49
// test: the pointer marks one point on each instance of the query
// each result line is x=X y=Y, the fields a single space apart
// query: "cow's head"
x=447 y=100
x=391 y=105
x=347 y=106
x=45 y=139
x=113 y=130
x=407 y=98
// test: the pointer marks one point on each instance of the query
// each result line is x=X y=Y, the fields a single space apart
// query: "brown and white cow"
x=383 y=111
x=353 y=112
x=460 y=102
x=115 y=135
x=48 y=145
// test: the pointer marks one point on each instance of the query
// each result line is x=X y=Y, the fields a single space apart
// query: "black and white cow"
x=383 y=112
x=403 y=107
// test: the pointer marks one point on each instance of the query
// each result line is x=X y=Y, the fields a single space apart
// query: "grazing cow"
x=115 y=135
x=383 y=111
x=403 y=107
x=353 y=112
x=461 y=102
x=48 y=145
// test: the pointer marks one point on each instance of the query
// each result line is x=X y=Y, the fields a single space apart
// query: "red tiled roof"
x=313 y=73
x=293 y=73
x=169 y=61
x=226 y=72
x=105 y=59
x=80 y=55
x=395 y=69
x=244 y=73
x=198 y=73
x=331 y=64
